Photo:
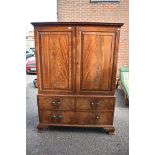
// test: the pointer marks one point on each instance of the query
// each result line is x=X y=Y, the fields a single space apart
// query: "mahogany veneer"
x=76 y=72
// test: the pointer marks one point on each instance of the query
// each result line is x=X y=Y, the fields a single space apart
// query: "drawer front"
x=102 y=118
x=57 y=117
x=55 y=103
x=95 y=103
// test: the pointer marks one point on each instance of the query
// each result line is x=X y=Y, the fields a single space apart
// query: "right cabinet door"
x=96 y=59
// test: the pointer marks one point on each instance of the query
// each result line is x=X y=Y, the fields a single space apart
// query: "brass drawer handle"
x=55 y=117
x=94 y=104
x=56 y=103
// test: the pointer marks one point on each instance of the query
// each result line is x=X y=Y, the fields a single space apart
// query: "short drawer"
x=57 y=117
x=95 y=103
x=93 y=118
x=55 y=103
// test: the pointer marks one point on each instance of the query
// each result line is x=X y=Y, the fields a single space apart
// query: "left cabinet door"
x=55 y=59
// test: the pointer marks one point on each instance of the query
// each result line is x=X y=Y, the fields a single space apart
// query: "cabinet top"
x=76 y=24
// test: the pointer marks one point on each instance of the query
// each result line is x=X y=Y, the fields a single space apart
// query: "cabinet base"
x=108 y=128
x=41 y=126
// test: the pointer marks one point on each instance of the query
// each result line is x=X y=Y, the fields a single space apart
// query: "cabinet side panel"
x=37 y=55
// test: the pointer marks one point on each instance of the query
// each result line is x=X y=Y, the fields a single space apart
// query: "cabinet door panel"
x=56 y=59
x=96 y=60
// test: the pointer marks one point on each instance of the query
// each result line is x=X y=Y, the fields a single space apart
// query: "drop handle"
x=55 y=117
x=94 y=104
x=56 y=103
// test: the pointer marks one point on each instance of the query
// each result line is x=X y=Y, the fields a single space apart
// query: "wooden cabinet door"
x=96 y=60
x=55 y=59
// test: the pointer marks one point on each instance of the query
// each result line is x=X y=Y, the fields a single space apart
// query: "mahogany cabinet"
x=76 y=72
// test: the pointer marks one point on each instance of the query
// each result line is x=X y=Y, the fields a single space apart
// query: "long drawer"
x=55 y=103
x=95 y=103
x=80 y=118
